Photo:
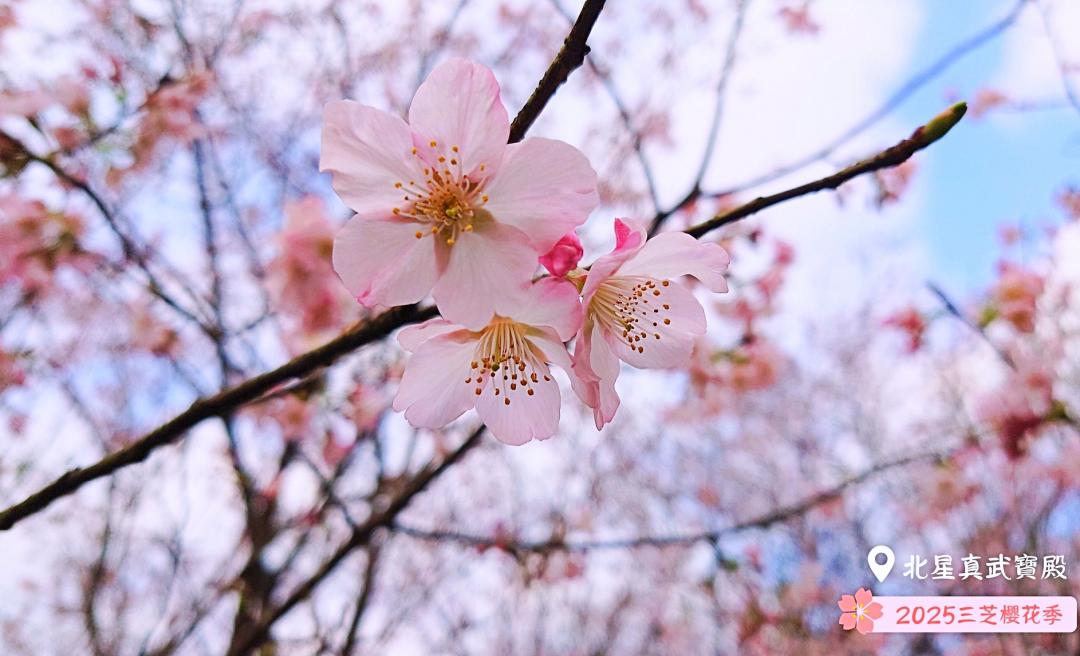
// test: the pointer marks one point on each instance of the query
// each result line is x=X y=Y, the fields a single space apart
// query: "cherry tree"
x=443 y=327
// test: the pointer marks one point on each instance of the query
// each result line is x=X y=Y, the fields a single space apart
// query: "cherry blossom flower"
x=985 y=101
x=502 y=369
x=859 y=611
x=797 y=19
x=1009 y=235
x=637 y=314
x=443 y=203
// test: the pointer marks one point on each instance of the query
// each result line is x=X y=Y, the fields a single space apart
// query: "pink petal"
x=488 y=269
x=553 y=348
x=526 y=417
x=676 y=341
x=873 y=611
x=847 y=620
x=367 y=151
x=433 y=391
x=675 y=254
x=412 y=337
x=458 y=105
x=597 y=369
x=586 y=379
x=551 y=302
x=544 y=187
x=563 y=256
x=863 y=597
x=847 y=604
x=382 y=262
x=865 y=625
x=629 y=235
x=629 y=238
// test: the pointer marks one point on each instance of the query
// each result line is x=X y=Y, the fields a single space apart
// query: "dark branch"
x=760 y=522
x=951 y=308
x=361 y=535
x=888 y=158
x=570 y=57
x=216 y=406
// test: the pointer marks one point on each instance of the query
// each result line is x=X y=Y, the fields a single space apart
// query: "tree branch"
x=215 y=406
x=906 y=90
x=570 y=57
x=385 y=323
x=759 y=522
x=925 y=135
x=360 y=536
x=714 y=124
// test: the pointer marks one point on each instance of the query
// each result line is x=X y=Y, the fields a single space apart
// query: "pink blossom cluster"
x=1020 y=406
x=444 y=206
x=911 y=323
x=759 y=296
x=169 y=116
x=719 y=377
x=35 y=242
x=1015 y=295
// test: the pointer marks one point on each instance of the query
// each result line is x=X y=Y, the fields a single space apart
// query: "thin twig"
x=956 y=312
x=1059 y=58
x=130 y=249
x=906 y=90
x=636 y=140
x=714 y=124
x=684 y=539
x=890 y=157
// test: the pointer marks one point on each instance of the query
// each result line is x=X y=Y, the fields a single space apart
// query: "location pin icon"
x=881 y=569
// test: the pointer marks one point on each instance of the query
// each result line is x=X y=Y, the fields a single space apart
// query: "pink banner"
x=976 y=615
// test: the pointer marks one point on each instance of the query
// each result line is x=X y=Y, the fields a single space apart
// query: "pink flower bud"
x=563 y=256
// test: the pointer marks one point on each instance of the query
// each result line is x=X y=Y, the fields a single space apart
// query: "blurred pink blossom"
x=1015 y=295
x=1020 y=406
x=912 y=323
x=302 y=273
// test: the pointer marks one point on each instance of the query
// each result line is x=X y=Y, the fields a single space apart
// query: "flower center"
x=632 y=307
x=448 y=202
x=505 y=355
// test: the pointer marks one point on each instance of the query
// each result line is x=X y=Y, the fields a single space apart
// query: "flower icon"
x=859 y=611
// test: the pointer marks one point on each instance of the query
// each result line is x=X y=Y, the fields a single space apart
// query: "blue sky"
x=989 y=171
